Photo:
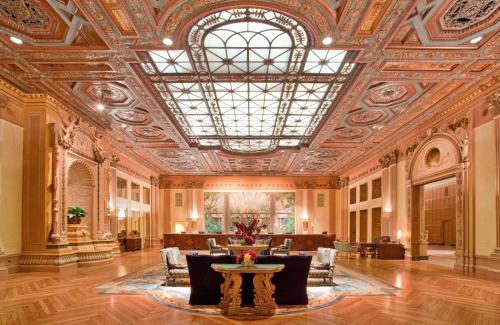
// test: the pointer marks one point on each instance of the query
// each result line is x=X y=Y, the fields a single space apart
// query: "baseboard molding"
x=9 y=264
x=487 y=264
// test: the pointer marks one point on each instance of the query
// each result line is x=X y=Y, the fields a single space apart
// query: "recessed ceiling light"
x=476 y=40
x=124 y=125
x=100 y=106
x=168 y=41
x=16 y=40
x=327 y=40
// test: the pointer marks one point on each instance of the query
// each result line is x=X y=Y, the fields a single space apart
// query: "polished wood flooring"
x=430 y=294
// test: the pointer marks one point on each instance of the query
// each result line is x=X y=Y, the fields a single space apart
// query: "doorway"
x=439 y=210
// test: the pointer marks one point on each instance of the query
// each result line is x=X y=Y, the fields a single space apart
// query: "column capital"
x=389 y=159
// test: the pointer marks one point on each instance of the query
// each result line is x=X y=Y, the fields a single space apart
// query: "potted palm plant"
x=75 y=215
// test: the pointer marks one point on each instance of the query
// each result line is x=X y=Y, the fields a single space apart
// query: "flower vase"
x=248 y=263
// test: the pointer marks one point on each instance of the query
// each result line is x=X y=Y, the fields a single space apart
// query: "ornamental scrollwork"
x=459 y=129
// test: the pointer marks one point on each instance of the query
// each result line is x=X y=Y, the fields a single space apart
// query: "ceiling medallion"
x=24 y=12
x=148 y=132
x=348 y=133
x=132 y=116
x=465 y=13
x=108 y=93
x=388 y=94
x=236 y=85
x=366 y=117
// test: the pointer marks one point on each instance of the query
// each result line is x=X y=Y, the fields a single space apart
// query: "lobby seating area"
x=249 y=162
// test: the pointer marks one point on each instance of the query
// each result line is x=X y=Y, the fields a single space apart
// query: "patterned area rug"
x=150 y=282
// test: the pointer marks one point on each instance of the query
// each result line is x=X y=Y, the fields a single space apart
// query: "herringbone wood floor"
x=430 y=295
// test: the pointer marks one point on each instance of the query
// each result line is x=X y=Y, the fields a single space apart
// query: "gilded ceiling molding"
x=177 y=18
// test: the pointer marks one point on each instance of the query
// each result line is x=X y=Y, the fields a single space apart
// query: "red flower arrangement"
x=247 y=231
x=239 y=258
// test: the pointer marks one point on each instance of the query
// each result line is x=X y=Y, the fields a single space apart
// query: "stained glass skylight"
x=249 y=81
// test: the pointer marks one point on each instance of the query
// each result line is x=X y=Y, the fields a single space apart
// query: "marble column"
x=389 y=194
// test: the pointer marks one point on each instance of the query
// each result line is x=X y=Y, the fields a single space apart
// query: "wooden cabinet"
x=133 y=244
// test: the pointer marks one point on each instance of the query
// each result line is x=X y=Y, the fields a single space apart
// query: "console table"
x=238 y=248
x=306 y=242
x=264 y=289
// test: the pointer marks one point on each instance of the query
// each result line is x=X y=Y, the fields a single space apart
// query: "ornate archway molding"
x=442 y=154
x=176 y=19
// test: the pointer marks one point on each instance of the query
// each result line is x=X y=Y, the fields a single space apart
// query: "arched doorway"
x=81 y=191
x=436 y=166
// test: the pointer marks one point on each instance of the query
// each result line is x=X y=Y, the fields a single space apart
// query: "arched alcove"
x=81 y=190
x=435 y=159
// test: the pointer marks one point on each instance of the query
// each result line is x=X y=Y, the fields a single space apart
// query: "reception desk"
x=307 y=242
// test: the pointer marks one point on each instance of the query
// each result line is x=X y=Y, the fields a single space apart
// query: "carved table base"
x=264 y=303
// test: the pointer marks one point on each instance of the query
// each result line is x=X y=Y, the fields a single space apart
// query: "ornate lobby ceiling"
x=256 y=87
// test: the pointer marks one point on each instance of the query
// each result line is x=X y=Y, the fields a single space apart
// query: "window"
x=248 y=114
x=276 y=210
x=146 y=195
x=363 y=192
x=178 y=199
x=352 y=195
x=376 y=188
x=136 y=192
x=321 y=200
x=121 y=187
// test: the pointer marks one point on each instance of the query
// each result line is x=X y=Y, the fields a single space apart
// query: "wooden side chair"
x=216 y=249
x=285 y=248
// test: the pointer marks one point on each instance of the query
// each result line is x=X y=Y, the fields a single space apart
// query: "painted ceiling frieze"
x=222 y=87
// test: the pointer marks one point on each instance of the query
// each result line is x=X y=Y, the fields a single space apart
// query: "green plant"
x=76 y=212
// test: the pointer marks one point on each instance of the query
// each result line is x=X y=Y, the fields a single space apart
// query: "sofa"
x=291 y=283
x=259 y=240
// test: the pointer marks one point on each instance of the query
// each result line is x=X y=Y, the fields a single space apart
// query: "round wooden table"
x=238 y=248
x=263 y=300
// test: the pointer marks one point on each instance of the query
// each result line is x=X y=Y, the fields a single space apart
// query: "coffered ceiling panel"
x=286 y=87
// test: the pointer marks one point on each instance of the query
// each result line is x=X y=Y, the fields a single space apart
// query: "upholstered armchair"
x=285 y=248
x=324 y=266
x=174 y=268
x=347 y=248
x=216 y=249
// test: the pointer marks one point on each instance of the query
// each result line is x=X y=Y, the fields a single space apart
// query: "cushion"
x=320 y=265
x=319 y=273
x=323 y=256
x=179 y=273
x=173 y=256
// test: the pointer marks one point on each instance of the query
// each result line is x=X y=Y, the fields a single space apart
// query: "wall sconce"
x=388 y=209
x=399 y=235
x=121 y=214
x=305 y=225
